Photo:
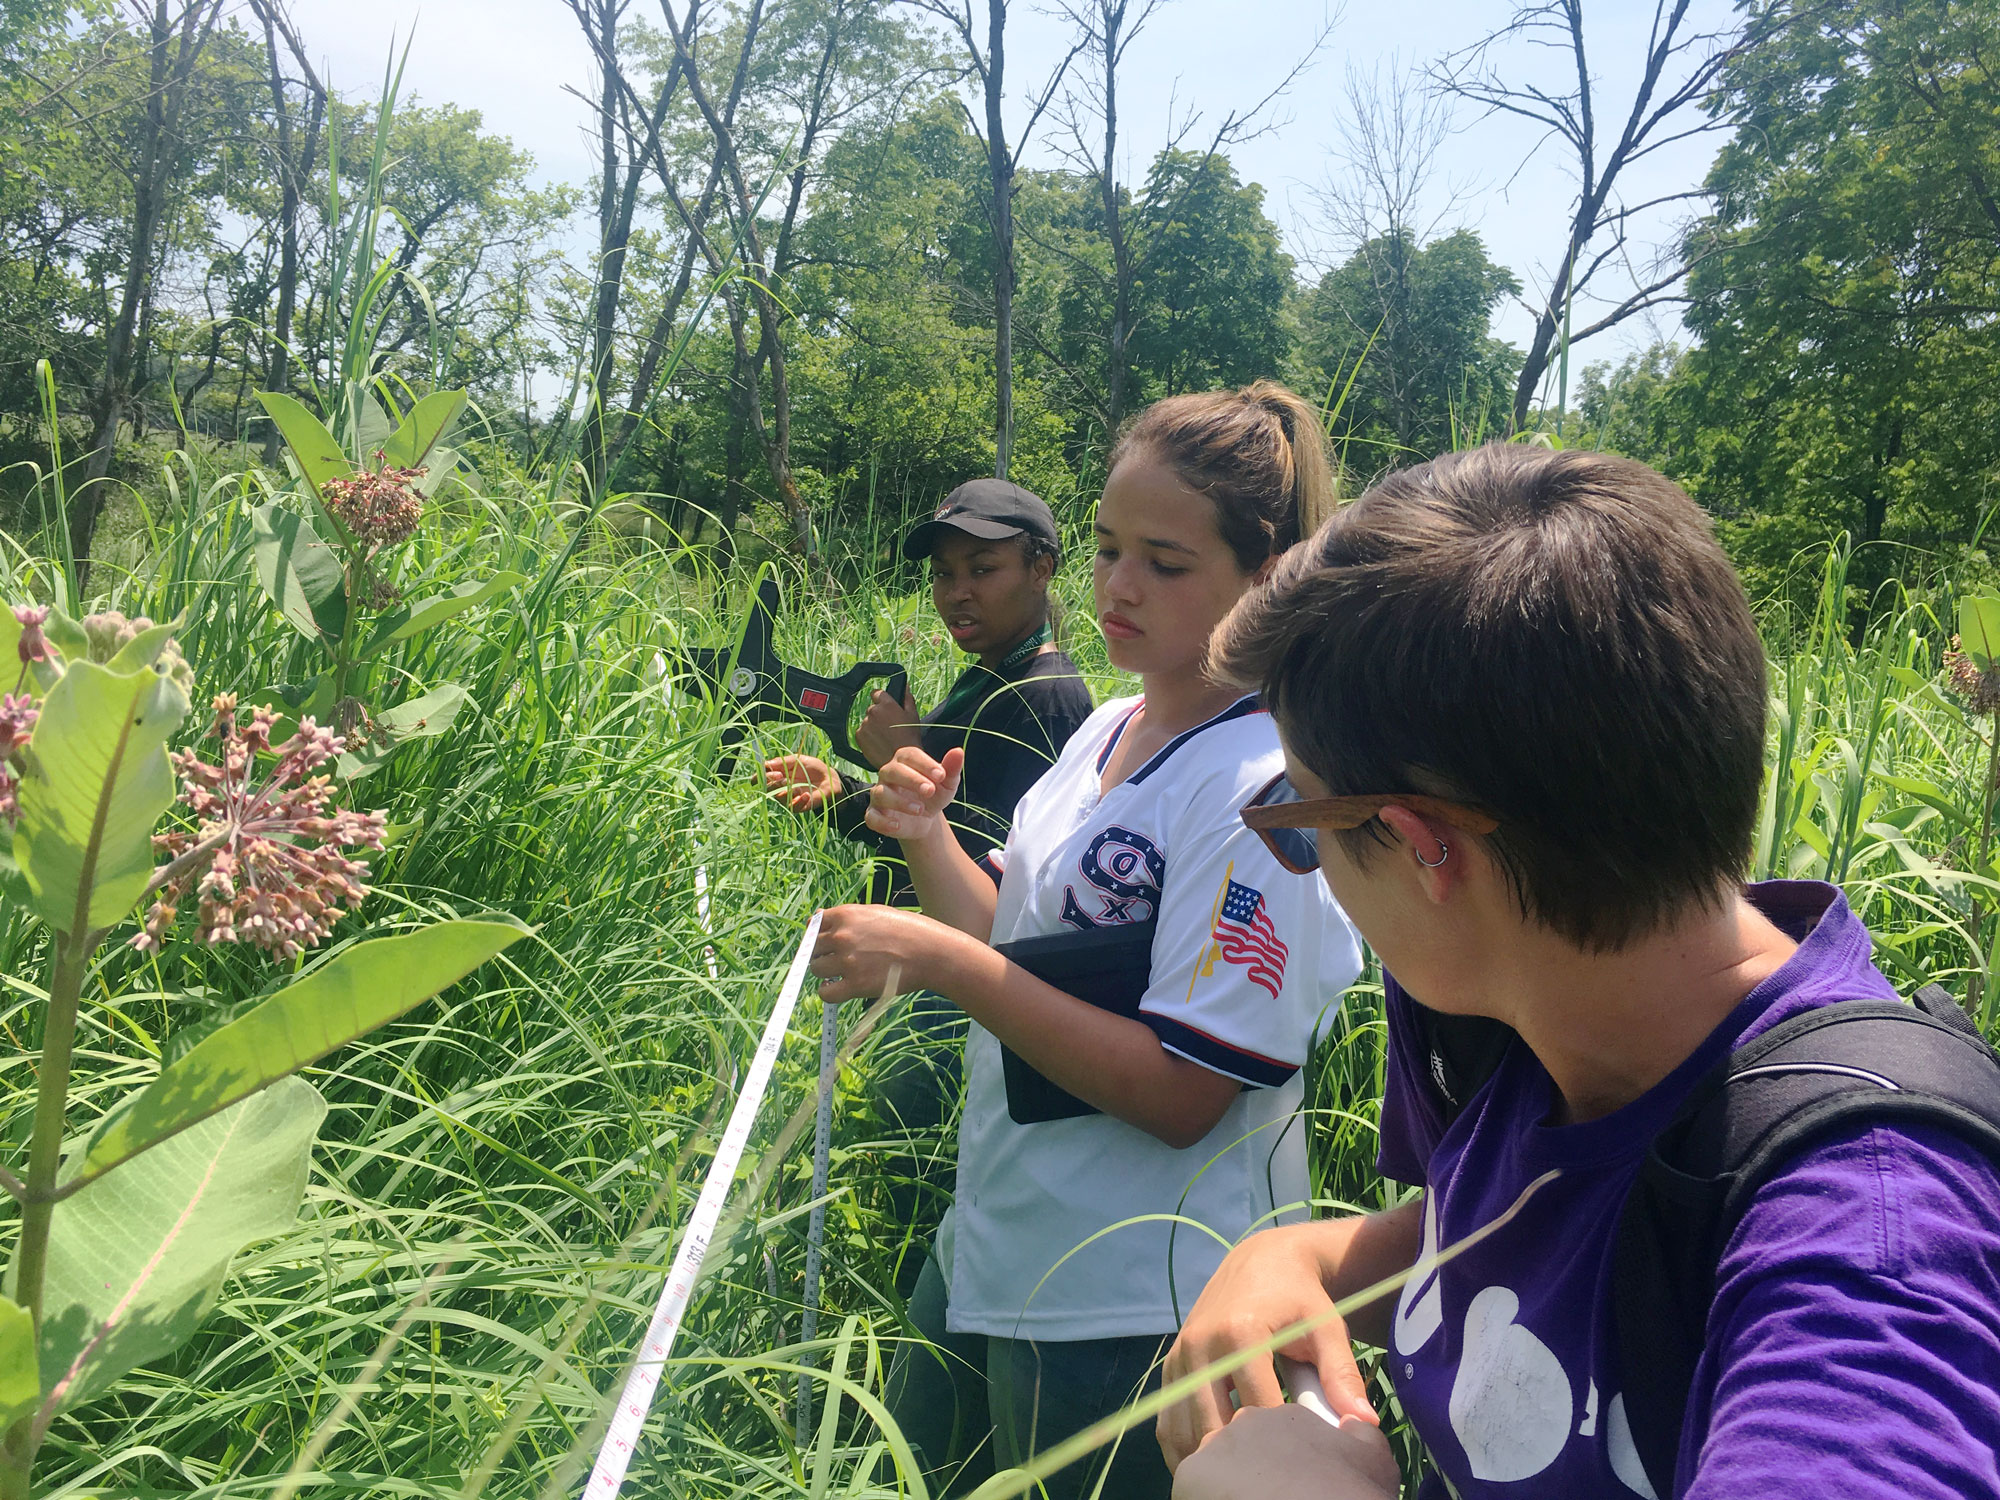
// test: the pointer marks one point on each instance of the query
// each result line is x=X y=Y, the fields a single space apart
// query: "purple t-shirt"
x=1854 y=1345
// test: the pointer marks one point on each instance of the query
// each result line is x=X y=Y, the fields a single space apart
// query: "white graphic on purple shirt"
x=1623 y=1452
x=1420 y=1310
x=1511 y=1404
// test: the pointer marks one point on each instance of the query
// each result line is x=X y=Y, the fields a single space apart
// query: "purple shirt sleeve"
x=1854 y=1344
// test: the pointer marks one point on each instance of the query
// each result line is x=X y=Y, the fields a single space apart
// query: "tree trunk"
x=696 y=223
x=1114 y=229
x=1000 y=168
x=732 y=459
x=114 y=388
x=774 y=435
x=1875 y=506
x=617 y=200
x=295 y=164
x=167 y=93
x=661 y=337
x=1549 y=322
x=610 y=249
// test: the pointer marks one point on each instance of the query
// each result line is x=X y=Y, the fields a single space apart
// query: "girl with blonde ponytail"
x=1142 y=975
x=1258 y=453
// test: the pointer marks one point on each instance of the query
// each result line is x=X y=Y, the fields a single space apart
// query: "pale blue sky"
x=510 y=59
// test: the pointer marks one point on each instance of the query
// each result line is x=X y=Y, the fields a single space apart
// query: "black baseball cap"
x=988 y=509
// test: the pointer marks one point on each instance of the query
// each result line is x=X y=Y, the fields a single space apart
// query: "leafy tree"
x=471 y=235
x=1212 y=294
x=1209 y=300
x=1629 y=407
x=1408 y=324
x=1843 y=380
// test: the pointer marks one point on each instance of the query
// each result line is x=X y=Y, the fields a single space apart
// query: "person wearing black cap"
x=993 y=549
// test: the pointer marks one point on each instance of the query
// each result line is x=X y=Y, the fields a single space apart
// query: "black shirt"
x=1011 y=734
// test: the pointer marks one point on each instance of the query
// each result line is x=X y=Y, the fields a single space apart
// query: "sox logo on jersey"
x=1124 y=871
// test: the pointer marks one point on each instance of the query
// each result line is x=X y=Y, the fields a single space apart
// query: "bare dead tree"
x=764 y=271
x=628 y=130
x=295 y=167
x=653 y=351
x=696 y=242
x=1377 y=208
x=774 y=434
x=988 y=63
x=1680 y=69
x=1105 y=30
x=1393 y=131
x=175 y=44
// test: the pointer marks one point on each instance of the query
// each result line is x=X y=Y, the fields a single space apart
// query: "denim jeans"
x=975 y=1403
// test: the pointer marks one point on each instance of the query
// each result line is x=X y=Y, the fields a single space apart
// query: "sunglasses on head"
x=1289 y=824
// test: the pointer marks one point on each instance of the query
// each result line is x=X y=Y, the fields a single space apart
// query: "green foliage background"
x=501 y=1175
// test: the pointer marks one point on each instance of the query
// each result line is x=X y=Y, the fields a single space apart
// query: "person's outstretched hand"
x=804 y=783
x=1270 y=1281
x=908 y=802
x=1289 y=1453
x=887 y=727
x=869 y=951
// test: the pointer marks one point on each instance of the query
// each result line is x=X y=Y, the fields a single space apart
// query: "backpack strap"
x=1853 y=1063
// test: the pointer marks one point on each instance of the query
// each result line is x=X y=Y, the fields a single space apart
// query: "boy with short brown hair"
x=1527 y=689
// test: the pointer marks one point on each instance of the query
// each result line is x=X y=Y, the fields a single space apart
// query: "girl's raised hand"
x=804 y=783
x=908 y=802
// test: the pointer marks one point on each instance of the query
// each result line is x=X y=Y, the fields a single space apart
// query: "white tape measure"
x=1302 y=1380
x=622 y=1438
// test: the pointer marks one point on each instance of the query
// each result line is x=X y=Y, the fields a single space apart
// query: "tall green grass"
x=500 y=1182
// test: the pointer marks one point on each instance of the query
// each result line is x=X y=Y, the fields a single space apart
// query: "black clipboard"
x=1109 y=967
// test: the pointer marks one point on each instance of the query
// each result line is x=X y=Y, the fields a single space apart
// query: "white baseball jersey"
x=1247 y=960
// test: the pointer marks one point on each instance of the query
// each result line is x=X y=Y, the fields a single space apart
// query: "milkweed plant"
x=338 y=582
x=127 y=1229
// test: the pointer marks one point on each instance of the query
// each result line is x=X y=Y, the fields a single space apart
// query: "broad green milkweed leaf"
x=439 y=467
x=1920 y=687
x=1979 y=629
x=97 y=781
x=137 y=1257
x=421 y=718
x=374 y=423
x=418 y=719
x=20 y=1383
x=318 y=456
x=300 y=573
x=359 y=989
x=415 y=619
x=423 y=429
x=67 y=635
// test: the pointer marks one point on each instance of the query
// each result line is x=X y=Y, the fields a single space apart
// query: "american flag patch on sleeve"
x=1244 y=935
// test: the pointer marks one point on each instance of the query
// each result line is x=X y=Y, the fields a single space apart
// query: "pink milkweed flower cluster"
x=1980 y=691
x=34 y=645
x=380 y=506
x=264 y=859
x=18 y=711
x=17 y=723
